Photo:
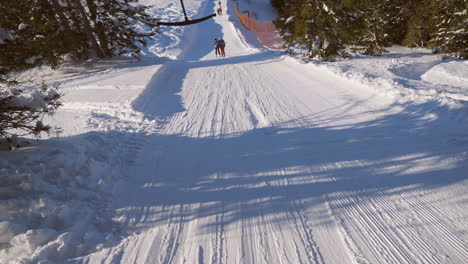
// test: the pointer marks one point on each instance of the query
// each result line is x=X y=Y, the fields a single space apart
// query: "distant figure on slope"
x=222 y=45
x=216 y=47
x=220 y=9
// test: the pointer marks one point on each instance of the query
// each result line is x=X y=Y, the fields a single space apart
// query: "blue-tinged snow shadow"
x=268 y=171
x=279 y=171
x=198 y=42
x=160 y=99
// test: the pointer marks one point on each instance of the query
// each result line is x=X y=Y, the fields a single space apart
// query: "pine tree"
x=451 y=33
x=53 y=28
x=420 y=24
x=320 y=26
x=23 y=45
x=23 y=107
x=326 y=28
x=327 y=33
x=396 y=13
x=114 y=24
x=36 y=32
x=381 y=23
x=287 y=19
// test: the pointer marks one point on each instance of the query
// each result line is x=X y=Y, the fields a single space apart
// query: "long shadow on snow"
x=270 y=171
x=160 y=98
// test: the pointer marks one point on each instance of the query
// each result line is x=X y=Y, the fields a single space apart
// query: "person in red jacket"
x=222 y=45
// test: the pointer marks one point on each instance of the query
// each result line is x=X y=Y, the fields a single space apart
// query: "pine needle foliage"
x=451 y=30
x=329 y=28
x=38 y=32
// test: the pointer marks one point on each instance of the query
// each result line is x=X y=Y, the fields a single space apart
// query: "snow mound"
x=52 y=199
x=412 y=70
x=410 y=75
x=453 y=73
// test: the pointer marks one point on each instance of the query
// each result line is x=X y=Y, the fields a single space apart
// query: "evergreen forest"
x=330 y=29
x=47 y=32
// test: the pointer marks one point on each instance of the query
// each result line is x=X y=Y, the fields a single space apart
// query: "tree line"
x=37 y=32
x=331 y=28
x=48 y=29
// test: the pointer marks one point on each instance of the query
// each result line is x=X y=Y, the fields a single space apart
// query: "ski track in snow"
x=257 y=158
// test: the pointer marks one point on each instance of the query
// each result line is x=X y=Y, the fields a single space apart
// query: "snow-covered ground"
x=411 y=75
x=258 y=157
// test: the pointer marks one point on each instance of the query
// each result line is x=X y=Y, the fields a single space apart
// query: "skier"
x=222 y=45
x=220 y=9
x=216 y=47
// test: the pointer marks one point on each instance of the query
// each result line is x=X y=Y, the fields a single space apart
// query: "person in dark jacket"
x=216 y=47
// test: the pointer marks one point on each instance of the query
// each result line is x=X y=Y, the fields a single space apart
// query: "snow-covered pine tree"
x=327 y=27
x=53 y=28
x=381 y=24
x=36 y=35
x=285 y=23
x=420 y=24
x=23 y=104
x=396 y=14
x=451 y=31
x=114 y=23
x=320 y=26
x=330 y=32
x=29 y=31
x=23 y=107
x=36 y=32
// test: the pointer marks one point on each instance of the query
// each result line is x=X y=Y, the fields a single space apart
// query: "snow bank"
x=54 y=194
x=53 y=199
x=414 y=75
x=452 y=73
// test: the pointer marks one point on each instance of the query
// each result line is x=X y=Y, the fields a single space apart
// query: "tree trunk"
x=81 y=42
x=88 y=29
x=99 y=29
x=64 y=22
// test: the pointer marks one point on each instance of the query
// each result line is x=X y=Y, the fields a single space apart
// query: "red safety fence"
x=265 y=31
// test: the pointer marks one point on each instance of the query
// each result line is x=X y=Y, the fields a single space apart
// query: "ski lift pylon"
x=187 y=21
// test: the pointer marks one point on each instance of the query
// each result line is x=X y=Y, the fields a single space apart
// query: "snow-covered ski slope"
x=253 y=158
x=261 y=159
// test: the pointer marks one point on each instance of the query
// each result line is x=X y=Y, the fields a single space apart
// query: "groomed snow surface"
x=257 y=157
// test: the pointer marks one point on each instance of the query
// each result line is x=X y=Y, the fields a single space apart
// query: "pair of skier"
x=219 y=45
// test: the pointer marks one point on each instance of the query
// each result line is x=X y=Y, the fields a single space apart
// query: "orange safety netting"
x=265 y=31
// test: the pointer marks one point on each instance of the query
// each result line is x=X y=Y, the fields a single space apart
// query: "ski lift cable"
x=187 y=21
